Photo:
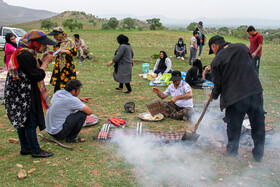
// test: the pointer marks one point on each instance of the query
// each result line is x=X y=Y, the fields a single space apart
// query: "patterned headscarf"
x=26 y=44
x=64 y=43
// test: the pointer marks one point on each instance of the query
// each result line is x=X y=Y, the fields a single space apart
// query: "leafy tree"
x=105 y=26
x=80 y=26
x=192 y=26
x=223 y=31
x=128 y=23
x=70 y=23
x=47 y=24
x=154 y=23
x=113 y=23
x=241 y=32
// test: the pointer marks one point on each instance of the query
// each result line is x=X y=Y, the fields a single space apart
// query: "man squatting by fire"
x=180 y=107
x=236 y=80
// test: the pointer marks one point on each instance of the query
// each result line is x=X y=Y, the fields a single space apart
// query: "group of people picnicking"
x=233 y=72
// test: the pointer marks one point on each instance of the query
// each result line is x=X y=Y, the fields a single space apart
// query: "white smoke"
x=156 y=164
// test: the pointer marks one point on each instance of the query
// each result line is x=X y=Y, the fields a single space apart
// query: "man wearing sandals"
x=67 y=114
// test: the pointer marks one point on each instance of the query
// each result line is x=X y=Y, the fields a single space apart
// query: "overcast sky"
x=185 y=9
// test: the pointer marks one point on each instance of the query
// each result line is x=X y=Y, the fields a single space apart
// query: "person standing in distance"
x=256 y=41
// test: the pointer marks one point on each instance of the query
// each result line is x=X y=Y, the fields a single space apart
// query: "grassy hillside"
x=133 y=162
x=89 y=21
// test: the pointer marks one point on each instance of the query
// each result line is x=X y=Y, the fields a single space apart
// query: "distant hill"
x=89 y=21
x=11 y=15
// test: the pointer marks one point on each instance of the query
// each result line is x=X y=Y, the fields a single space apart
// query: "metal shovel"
x=192 y=135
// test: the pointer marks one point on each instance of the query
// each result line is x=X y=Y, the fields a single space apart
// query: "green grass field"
x=95 y=163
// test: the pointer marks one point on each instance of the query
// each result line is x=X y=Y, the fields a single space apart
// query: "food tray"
x=91 y=120
x=142 y=116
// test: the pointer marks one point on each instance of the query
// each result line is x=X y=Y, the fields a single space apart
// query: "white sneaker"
x=182 y=58
x=178 y=57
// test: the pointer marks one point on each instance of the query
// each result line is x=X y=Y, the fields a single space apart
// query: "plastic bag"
x=165 y=78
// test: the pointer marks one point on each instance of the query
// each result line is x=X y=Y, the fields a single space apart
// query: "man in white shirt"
x=67 y=113
x=82 y=48
x=180 y=107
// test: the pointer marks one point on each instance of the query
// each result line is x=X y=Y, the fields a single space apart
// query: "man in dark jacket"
x=238 y=84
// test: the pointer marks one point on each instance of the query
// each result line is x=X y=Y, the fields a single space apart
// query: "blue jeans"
x=192 y=55
x=28 y=136
x=200 y=50
x=180 y=55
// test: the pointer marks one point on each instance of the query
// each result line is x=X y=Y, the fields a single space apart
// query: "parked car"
x=16 y=31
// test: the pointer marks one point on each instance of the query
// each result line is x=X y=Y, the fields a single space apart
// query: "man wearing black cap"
x=180 y=107
x=238 y=84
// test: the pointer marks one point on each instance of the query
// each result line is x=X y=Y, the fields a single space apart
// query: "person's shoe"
x=25 y=152
x=128 y=92
x=178 y=57
x=89 y=57
x=42 y=154
x=82 y=59
x=119 y=89
x=182 y=58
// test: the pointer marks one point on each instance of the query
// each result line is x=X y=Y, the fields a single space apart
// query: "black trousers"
x=257 y=61
x=253 y=107
x=72 y=126
x=127 y=86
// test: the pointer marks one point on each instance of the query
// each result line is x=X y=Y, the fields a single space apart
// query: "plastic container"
x=146 y=67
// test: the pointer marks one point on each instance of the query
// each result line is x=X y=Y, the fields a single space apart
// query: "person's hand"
x=254 y=54
x=46 y=54
x=85 y=99
x=110 y=63
x=156 y=90
x=180 y=52
x=201 y=41
x=207 y=69
x=48 y=58
x=173 y=100
x=64 y=51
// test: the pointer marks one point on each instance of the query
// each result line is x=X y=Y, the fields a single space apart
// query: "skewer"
x=107 y=131
x=100 y=132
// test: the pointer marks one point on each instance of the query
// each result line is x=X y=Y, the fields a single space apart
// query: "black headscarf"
x=180 y=39
x=122 y=39
x=162 y=64
x=8 y=39
x=198 y=64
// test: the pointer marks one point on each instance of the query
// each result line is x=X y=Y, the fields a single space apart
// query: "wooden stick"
x=55 y=141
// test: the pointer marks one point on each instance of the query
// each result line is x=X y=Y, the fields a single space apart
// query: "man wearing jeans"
x=256 y=41
x=237 y=84
x=67 y=114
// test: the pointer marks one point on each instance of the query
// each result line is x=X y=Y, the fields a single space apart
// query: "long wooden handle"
x=202 y=114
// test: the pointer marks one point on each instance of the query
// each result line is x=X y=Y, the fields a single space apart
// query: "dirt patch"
x=2 y=125
x=139 y=61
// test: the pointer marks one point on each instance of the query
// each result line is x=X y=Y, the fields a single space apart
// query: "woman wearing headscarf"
x=10 y=47
x=163 y=64
x=180 y=49
x=123 y=63
x=64 y=68
x=194 y=74
x=25 y=92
